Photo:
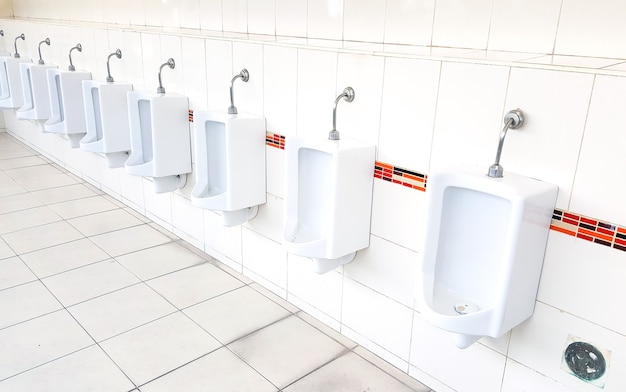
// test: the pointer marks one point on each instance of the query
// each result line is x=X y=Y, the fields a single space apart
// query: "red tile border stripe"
x=275 y=140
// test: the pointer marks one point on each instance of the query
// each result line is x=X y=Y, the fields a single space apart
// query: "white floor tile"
x=129 y=240
x=120 y=311
x=32 y=217
x=14 y=272
x=194 y=284
x=30 y=173
x=86 y=370
x=219 y=371
x=40 y=237
x=38 y=341
x=104 y=222
x=88 y=282
x=64 y=193
x=25 y=302
x=5 y=250
x=159 y=347
x=18 y=202
x=287 y=350
x=79 y=207
x=64 y=257
x=159 y=260
x=14 y=163
x=236 y=314
x=10 y=188
x=46 y=182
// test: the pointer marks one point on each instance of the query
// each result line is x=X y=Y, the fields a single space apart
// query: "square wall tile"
x=556 y=117
x=409 y=22
x=171 y=46
x=187 y=217
x=269 y=219
x=599 y=188
x=189 y=13
x=157 y=204
x=264 y=257
x=589 y=29
x=530 y=27
x=280 y=81
x=194 y=72
x=325 y=19
x=519 y=378
x=462 y=24
x=275 y=169
x=222 y=239
x=317 y=84
x=219 y=72
x=211 y=15
x=377 y=317
x=359 y=119
x=249 y=95
x=235 y=16
x=364 y=20
x=291 y=18
x=476 y=368
x=539 y=344
x=408 y=112
x=468 y=91
x=262 y=17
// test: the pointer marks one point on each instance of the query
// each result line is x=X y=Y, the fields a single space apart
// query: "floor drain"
x=585 y=361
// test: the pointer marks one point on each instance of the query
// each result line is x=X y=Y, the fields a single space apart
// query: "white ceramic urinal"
x=67 y=115
x=11 y=94
x=230 y=164
x=159 y=139
x=36 y=93
x=107 y=123
x=483 y=251
x=328 y=199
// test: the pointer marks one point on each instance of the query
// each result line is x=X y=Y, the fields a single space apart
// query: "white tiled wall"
x=422 y=113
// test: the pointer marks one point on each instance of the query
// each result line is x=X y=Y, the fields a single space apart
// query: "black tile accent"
x=601 y=242
x=619 y=247
x=606 y=225
x=558 y=212
x=621 y=235
x=416 y=174
x=586 y=226
x=556 y=217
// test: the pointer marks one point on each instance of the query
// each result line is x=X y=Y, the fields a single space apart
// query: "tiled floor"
x=94 y=297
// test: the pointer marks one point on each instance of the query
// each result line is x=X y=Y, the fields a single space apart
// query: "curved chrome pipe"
x=78 y=47
x=348 y=96
x=118 y=54
x=47 y=42
x=171 y=64
x=17 y=55
x=512 y=120
x=245 y=76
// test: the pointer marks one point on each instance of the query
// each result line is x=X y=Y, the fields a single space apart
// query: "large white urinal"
x=230 y=164
x=36 y=92
x=11 y=93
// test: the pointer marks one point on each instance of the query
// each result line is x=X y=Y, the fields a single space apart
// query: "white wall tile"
x=462 y=24
x=130 y=66
x=555 y=105
x=359 y=119
x=291 y=17
x=275 y=169
x=235 y=16
x=528 y=26
x=189 y=11
x=132 y=190
x=265 y=258
x=519 y=378
x=377 y=317
x=386 y=268
x=211 y=15
x=280 y=82
x=325 y=19
x=262 y=17
x=225 y=240
x=589 y=28
x=469 y=115
x=476 y=368
x=317 y=72
x=187 y=218
x=136 y=14
x=152 y=60
x=408 y=112
x=600 y=186
x=364 y=20
x=249 y=95
x=193 y=70
x=539 y=344
x=153 y=10
x=159 y=205
x=567 y=265
x=219 y=72
x=409 y=22
x=171 y=46
x=269 y=219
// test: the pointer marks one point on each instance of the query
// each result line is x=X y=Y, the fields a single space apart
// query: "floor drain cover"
x=585 y=361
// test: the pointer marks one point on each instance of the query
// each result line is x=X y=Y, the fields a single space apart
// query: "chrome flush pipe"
x=78 y=47
x=118 y=54
x=245 y=76
x=348 y=96
x=17 y=55
x=47 y=42
x=171 y=64
x=513 y=120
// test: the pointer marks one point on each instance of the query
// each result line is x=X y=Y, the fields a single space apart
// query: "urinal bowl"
x=11 y=94
x=230 y=165
x=35 y=90
x=67 y=114
x=328 y=199
x=106 y=120
x=483 y=251
x=159 y=139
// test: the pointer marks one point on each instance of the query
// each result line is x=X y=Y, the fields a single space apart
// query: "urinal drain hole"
x=465 y=308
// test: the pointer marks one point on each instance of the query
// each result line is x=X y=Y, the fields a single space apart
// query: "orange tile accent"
x=412 y=177
x=384 y=165
x=594 y=234
x=621 y=230
x=562 y=230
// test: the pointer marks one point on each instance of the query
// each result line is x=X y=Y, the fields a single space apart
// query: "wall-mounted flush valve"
x=171 y=64
x=21 y=36
x=348 y=96
x=47 y=42
x=118 y=54
x=78 y=47
x=245 y=76
x=512 y=120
